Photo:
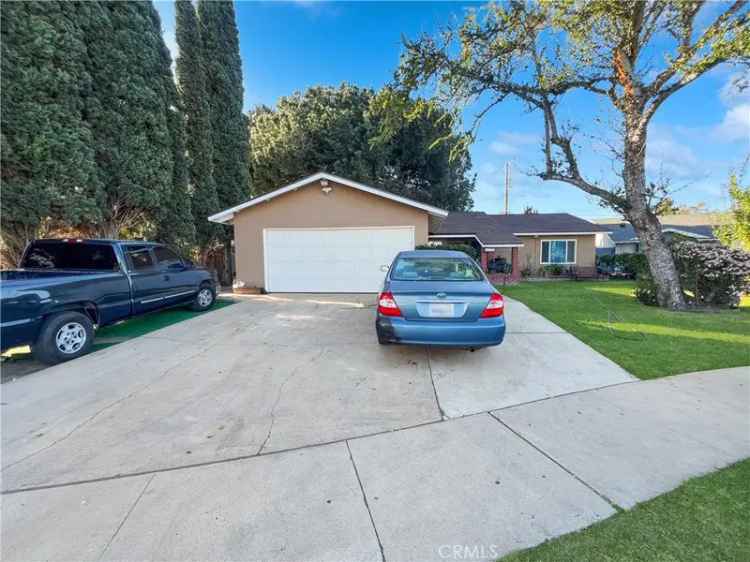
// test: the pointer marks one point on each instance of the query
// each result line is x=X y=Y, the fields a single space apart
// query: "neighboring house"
x=526 y=241
x=325 y=233
x=622 y=238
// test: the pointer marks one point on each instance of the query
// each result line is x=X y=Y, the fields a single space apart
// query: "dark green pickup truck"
x=67 y=287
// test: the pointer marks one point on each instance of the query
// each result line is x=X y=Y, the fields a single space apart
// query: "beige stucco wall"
x=530 y=254
x=309 y=207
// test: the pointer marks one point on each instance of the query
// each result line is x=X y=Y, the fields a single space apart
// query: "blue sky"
x=697 y=137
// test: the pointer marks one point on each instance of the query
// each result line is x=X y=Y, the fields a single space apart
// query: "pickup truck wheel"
x=64 y=336
x=204 y=299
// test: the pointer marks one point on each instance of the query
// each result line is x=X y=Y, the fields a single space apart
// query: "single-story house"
x=622 y=238
x=526 y=241
x=325 y=233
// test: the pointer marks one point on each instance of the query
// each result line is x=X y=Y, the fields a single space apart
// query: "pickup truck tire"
x=64 y=336
x=204 y=298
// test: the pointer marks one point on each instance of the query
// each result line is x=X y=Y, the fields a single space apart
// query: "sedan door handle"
x=166 y=278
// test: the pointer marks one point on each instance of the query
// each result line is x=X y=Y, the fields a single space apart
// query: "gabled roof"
x=505 y=230
x=227 y=215
x=624 y=233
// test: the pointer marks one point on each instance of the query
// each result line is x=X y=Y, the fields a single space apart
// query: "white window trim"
x=575 y=252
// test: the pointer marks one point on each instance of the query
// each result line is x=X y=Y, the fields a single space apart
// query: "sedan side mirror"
x=384 y=268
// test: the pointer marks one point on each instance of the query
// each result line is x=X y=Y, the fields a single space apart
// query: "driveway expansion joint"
x=443 y=419
x=531 y=444
x=127 y=515
x=109 y=406
x=434 y=388
x=367 y=505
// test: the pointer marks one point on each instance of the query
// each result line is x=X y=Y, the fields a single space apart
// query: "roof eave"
x=227 y=215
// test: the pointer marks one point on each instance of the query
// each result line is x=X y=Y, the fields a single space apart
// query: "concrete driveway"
x=270 y=373
x=278 y=429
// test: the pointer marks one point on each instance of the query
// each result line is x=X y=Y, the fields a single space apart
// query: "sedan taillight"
x=387 y=305
x=495 y=307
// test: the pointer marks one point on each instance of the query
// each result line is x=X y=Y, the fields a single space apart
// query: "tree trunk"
x=645 y=223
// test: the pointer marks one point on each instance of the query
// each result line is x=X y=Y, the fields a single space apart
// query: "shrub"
x=709 y=275
x=713 y=275
x=465 y=248
x=631 y=264
x=645 y=290
x=554 y=270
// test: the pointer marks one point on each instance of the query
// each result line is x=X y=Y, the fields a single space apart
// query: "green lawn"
x=705 y=519
x=646 y=341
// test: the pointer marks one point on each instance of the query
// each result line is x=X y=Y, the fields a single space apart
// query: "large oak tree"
x=633 y=55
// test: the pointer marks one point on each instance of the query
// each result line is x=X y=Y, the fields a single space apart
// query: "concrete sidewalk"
x=478 y=486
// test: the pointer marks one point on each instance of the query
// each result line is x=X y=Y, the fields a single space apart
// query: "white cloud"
x=735 y=95
x=736 y=124
x=667 y=156
x=510 y=144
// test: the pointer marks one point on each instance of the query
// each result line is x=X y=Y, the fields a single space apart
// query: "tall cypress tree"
x=229 y=131
x=48 y=169
x=128 y=115
x=174 y=219
x=191 y=81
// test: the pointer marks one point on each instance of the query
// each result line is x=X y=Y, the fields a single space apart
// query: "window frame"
x=166 y=264
x=566 y=262
x=139 y=248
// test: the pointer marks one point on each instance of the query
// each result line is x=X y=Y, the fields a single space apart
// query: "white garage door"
x=331 y=260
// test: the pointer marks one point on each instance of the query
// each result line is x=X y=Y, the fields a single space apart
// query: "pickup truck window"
x=140 y=257
x=70 y=255
x=165 y=256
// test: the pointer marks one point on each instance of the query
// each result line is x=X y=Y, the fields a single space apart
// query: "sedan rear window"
x=435 y=269
x=70 y=255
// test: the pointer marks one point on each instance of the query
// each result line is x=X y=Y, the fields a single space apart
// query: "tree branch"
x=572 y=175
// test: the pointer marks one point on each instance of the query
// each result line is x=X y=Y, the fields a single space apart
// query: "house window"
x=558 y=251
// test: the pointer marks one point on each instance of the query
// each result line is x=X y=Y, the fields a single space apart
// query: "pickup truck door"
x=148 y=282
x=181 y=280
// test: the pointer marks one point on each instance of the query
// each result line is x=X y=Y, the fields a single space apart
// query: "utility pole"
x=507 y=186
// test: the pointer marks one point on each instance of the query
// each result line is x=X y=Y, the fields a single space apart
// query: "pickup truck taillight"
x=495 y=307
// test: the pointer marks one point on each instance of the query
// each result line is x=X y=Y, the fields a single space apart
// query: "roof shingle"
x=505 y=229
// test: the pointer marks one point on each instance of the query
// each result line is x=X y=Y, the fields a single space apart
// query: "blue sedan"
x=441 y=298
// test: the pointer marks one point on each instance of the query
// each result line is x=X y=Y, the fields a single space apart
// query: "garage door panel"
x=331 y=260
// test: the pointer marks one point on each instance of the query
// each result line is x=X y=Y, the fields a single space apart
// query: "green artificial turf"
x=647 y=341
x=131 y=328
x=140 y=325
x=706 y=519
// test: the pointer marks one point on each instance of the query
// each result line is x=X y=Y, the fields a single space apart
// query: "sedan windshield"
x=435 y=269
